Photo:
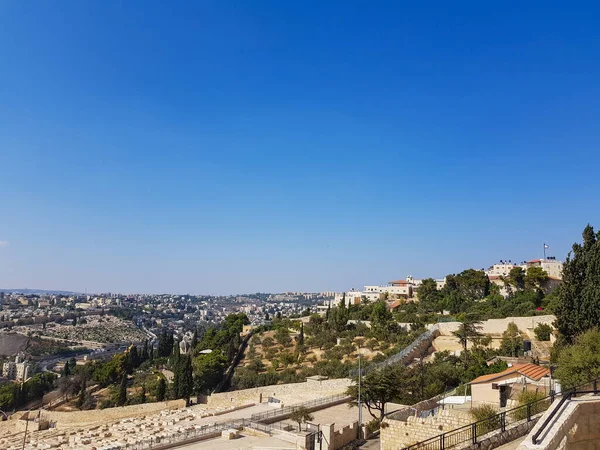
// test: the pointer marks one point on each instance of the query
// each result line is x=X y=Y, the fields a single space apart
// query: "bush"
x=487 y=416
x=483 y=412
x=543 y=332
x=372 y=426
x=529 y=397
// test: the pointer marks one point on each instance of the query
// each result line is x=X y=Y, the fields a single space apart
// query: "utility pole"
x=26 y=426
x=359 y=403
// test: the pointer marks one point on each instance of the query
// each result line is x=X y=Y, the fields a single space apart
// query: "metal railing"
x=428 y=335
x=472 y=433
x=580 y=390
x=178 y=438
x=157 y=442
x=287 y=410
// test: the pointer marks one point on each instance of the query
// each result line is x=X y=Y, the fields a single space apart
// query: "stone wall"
x=345 y=435
x=404 y=413
x=576 y=426
x=397 y=434
x=497 y=438
x=83 y=418
x=288 y=394
x=498 y=326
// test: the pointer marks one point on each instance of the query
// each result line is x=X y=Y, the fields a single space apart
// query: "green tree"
x=299 y=415
x=578 y=305
x=471 y=284
x=122 y=391
x=186 y=381
x=300 y=339
x=380 y=316
x=380 y=387
x=208 y=371
x=580 y=362
x=82 y=393
x=161 y=390
x=535 y=277
x=512 y=341
x=143 y=394
x=516 y=277
x=468 y=331
x=66 y=372
x=194 y=339
x=282 y=336
x=428 y=295
x=543 y=332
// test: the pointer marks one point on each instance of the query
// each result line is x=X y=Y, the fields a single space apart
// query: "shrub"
x=543 y=332
x=372 y=426
x=487 y=418
x=529 y=397
x=483 y=412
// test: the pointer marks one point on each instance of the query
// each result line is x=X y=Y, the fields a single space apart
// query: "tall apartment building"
x=19 y=369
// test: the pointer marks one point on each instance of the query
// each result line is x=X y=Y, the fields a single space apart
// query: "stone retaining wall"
x=289 y=394
x=345 y=435
x=576 y=426
x=397 y=434
x=83 y=418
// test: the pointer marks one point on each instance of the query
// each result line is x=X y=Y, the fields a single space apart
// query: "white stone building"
x=551 y=265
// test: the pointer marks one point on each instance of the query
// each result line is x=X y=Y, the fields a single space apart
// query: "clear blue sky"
x=220 y=147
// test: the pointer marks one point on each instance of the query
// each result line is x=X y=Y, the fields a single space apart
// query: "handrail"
x=498 y=421
x=498 y=418
x=567 y=396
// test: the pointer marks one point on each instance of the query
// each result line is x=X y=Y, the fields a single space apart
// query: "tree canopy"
x=578 y=308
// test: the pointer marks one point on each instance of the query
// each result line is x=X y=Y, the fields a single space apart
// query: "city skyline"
x=289 y=147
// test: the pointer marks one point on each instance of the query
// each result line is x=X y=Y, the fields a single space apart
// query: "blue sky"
x=221 y=147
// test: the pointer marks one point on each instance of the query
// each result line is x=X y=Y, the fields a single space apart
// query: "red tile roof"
x=399 y=282
x=531 y=371
x=395 y=304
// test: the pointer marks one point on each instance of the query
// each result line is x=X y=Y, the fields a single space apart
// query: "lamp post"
x=359 y=401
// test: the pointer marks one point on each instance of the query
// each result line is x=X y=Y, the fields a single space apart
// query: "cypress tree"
x=175 y=356
x=122 y=391
x=301 y=335
x=578 y=307
x=161 y=391
x=194 y=339
x=82 y=393
x=186 y=381
x=66 y=370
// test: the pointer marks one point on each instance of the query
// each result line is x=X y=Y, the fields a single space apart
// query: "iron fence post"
x=503 y=421
x=474 y=432
x=528 y=412
x=595 y=386
x=442 y=441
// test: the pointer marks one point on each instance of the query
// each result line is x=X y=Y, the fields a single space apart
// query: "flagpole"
x=544 y=250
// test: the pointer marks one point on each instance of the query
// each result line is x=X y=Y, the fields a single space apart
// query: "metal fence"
x=589 y=388
x=472 y=433
x=287 y=410
x=399 y=357
x=158 y=442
